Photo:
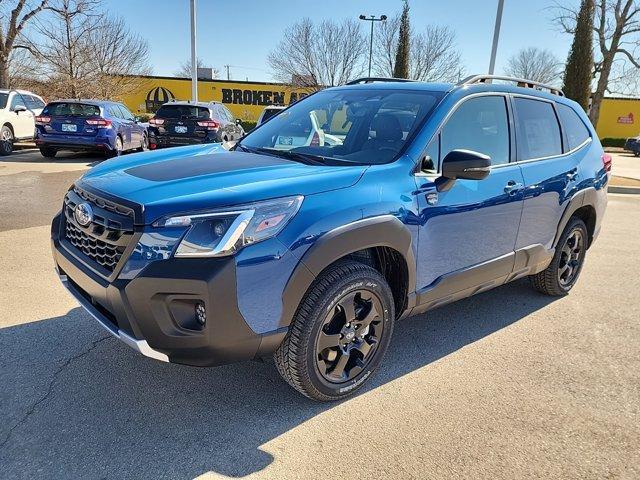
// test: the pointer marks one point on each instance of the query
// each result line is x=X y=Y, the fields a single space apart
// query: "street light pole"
x=496 y=37
x=194 y=57
x=372 y=18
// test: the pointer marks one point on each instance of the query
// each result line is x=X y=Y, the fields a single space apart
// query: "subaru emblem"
x=83 y=213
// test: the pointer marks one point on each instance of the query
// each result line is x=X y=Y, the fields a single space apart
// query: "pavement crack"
x=50 y=387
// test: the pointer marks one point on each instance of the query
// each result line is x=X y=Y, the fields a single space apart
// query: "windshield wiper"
x=288 y=154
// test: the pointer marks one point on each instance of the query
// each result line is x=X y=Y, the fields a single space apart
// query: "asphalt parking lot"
x=507 y=384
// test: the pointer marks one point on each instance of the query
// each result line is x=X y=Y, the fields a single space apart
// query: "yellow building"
x=619 y=118
x=246 y=100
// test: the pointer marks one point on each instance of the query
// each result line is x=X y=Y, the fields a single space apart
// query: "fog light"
x=201 y=313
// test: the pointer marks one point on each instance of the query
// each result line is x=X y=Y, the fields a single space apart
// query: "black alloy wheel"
x=565 y=267
x=571 y=257
x=349 y=336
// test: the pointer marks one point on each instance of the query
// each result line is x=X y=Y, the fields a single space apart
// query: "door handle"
x=513 y=187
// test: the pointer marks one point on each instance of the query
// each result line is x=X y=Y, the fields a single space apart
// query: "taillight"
x=43 y=120
x=156 y=121
x=607 y=161
x=99 y=122
x=209 y=124
x=315 y=140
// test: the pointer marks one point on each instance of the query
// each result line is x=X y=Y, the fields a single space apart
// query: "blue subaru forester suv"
x=427 y=193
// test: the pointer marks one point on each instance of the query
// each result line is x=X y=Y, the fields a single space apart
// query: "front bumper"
x=153 y=309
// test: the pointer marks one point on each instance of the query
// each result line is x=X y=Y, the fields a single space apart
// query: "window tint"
x=114 y=111
x=479 y=124
x=182 y=111
x=537 y=129
x=17 y=100
x=71 y=109
x=576 y=131
x=430 y=163
x=126 y=114
x=3 y=99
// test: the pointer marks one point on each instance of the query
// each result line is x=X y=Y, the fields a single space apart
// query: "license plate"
x=68 y=127
x=181 y=129
x=285 y=140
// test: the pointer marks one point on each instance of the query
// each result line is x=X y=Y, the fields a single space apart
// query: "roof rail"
x=520 y=82
x=377 y=79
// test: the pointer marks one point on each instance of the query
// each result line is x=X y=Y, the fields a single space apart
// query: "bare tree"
x=118 y=56
x=314 y=56
x=64 y=48
x=433 y=55
x=617 y=38
x=533 y=63
x=11 y=33
x=185 y=68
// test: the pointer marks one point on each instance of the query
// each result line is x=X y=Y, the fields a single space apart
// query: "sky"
x=241 y=33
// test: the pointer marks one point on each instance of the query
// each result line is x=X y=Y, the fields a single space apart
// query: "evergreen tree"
x=579 y=69
x=401 y=68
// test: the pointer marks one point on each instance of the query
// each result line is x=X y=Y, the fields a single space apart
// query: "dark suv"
x=204 y=256
x=186 y=123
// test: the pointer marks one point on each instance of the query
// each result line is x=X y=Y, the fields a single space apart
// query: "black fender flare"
x=585 y=197
x=382 y=231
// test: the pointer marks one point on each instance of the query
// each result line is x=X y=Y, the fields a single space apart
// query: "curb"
x=627 y=190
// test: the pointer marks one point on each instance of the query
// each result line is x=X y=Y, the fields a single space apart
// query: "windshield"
x=71 y=109
x=357 y=125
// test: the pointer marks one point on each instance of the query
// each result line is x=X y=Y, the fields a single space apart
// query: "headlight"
x=223 y=232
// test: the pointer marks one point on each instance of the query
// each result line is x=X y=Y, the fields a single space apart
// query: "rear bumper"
x=155 y=311
x=78 y=143
x=161 y=140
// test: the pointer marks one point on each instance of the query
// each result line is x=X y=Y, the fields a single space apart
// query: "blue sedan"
x=88 y=125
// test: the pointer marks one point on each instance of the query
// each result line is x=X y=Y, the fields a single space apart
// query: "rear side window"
x=575 y=129
x=537 y=129
x=182 y=111
x=479 y=124
x=71 y=109
x=33 y=102
x=126 y=114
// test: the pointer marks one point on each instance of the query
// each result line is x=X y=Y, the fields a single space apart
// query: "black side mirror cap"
x=463 y=165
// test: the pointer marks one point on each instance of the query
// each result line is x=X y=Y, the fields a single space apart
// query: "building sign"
x=626 y=119
x=245 y=100
x=237 y=96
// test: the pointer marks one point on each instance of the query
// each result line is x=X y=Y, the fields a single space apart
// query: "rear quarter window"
x=537 y=129
x=576 y=131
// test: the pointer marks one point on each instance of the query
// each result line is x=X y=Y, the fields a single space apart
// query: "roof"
x=26 y=92
x=193 y=104
x=84 y=100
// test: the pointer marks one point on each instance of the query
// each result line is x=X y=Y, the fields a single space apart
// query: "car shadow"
x=77 y=403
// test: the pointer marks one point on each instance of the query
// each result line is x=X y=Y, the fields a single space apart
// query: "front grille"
x=101 y=252
x=106 y=238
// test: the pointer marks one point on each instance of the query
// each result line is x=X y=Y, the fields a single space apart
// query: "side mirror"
x=19 y=108
x=238 y=121
x=463 y=165
x=136 y=119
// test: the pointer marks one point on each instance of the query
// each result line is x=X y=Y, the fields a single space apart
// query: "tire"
x=117 y=151
x=145 y=144
x=6 y=140
x=48 y=152
x=565 y=267
x=321 y=320
x=636 y=154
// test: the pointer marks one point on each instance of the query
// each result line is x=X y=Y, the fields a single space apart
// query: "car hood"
x=185 y=179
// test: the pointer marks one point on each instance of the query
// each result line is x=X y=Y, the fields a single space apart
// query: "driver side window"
x=481 y=125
